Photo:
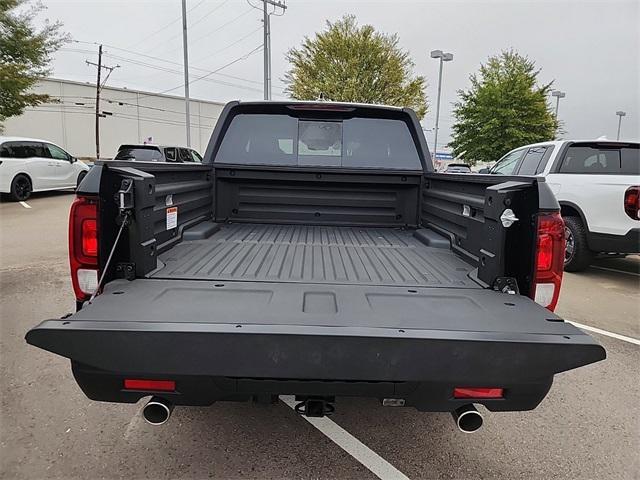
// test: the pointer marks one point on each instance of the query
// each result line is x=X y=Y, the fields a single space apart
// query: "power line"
x=163 y=28
x=207 y=14
x=168 y=40
x=176 y=72
x=163 y=121
x=195 y=80
x=124 y=59
x=244 y=57
x=230 y=45
x=208 y=34
x=89 y=105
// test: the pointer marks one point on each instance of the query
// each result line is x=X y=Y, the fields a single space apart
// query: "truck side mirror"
x=483 y=170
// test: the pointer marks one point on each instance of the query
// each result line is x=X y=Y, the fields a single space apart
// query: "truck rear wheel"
x=577 y=255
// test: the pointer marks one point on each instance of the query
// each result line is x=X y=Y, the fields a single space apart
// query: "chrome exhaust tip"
x=157 y=411
x=467 y=418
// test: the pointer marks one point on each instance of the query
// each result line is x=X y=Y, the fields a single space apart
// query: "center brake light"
x=83 y=246
x=326 y=107
x=549 y=263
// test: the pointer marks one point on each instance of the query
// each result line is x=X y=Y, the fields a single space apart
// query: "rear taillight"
x=550 y=246
x=83 y=246
x=632 y=202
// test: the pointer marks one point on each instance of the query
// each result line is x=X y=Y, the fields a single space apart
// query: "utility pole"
x=99 y=86
x=620 y=114
x=444 y=57
x=267 y=43
x=186 y=71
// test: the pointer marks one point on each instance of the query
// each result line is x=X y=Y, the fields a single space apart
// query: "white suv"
x=29 y=165
x=597 y=184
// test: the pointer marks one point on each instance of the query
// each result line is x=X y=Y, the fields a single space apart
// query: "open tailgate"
x=304 y=331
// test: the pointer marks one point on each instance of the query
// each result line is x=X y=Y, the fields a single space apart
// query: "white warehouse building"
x=130 y=116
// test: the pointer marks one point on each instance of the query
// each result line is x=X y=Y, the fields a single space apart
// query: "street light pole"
x=558 y=94
x=186 y=71
x=620 y=114
x=267 y=55
x=443 y=57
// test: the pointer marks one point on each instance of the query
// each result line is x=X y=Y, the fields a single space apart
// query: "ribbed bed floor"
x=315 y=254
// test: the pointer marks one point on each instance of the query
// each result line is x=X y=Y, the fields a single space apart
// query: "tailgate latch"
x=125 y=196
x=506 y=285
x=508 y=218
x=126 y=271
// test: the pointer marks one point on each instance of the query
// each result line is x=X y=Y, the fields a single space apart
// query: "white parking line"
x=350 y=444
x=25 y=204
x=135 y=423
x=616 y=270
x=624 y=338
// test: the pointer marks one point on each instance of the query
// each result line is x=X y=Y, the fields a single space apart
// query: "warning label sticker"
x=172 y=218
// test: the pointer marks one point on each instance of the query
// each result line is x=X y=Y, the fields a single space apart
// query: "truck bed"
x=318 y=303
x=315 y=254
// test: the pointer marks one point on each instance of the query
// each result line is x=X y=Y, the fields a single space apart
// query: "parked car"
x=157 y=153
x=457 y=168
x=30 y=165
x=597 y=184
x=315 y=253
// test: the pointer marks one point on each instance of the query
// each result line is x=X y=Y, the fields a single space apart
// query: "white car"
x=30 y=165
x=597 y=184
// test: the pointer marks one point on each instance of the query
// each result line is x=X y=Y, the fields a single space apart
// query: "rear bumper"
x=194 y=390
x=604 y=242
x=212 y=362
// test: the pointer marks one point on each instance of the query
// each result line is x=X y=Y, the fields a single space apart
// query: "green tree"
x=351 y=63
x=505 y=108
x=25 y=53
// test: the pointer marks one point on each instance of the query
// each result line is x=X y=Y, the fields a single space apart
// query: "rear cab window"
x=139 y=153
x=286 y=140
x=601 y=159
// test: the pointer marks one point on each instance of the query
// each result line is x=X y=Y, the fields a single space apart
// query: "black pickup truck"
x=315 y=253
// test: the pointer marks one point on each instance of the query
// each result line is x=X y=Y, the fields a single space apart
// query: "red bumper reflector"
x=150 y=385
x=478 y=392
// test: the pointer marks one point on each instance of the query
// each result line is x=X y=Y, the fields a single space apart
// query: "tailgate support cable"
x=125 y=197
x=125 y=221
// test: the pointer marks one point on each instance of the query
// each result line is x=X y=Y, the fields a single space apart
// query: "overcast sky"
x=591 y=50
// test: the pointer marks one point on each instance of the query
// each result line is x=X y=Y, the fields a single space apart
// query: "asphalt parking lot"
x=588 y=426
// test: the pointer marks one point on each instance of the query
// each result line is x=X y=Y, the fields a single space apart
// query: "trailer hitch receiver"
x=315 y=406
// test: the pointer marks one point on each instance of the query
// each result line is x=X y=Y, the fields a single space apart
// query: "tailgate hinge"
x=506 y=285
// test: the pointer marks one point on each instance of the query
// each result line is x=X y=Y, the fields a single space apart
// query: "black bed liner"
x=315 y=254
